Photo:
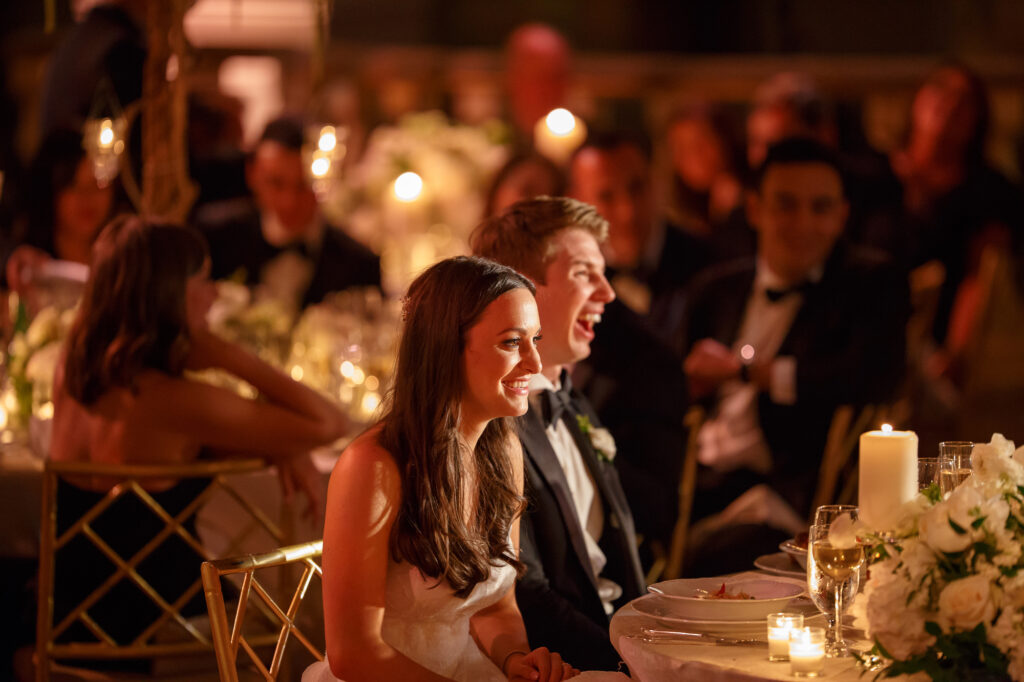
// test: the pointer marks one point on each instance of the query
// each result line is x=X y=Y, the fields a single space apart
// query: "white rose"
x=897 y=625
x=602 y=440
x=935 y=525
x=43 y=363
x=1018 y=455
x=966 y=602
x=993 y=462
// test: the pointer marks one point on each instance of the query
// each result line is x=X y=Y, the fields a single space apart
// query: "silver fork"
x=654 y=636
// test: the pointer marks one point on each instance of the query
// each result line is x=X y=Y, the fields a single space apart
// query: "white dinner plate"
x=688 y=598
x=657 y=607
x=780 y=564
x=794 y=550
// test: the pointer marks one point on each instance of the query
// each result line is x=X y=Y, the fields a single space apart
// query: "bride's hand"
x=540 y=665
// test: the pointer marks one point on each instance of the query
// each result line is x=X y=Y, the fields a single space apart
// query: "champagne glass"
x=833 y=575
x=827 y=513
x=930 y=470
x=956 y=458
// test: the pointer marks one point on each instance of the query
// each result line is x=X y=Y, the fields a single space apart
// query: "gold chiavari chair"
x=229 y=637
x=78 y=635
x=673 y=565
x=842 y=440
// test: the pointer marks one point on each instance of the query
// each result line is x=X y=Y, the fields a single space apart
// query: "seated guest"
x=646 y=260
x=578 y=540
x=121 y=398
x=421 y=546
x=524 y=176
x=63 y=209
x=278 y=237
x=774 y=345
x=631 y=378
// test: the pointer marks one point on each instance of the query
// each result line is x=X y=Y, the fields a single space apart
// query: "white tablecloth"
x=664 y=662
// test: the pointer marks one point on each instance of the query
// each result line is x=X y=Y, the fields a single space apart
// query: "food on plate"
x=722 y=594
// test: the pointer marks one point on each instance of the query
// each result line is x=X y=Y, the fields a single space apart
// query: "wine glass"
x=833 y=575
x=827 y=513
x=930 y=470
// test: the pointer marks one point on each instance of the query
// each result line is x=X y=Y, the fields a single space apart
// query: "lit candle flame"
x=408 y=186
x=887 y=428
x=560 y=122
x=328 y=139
x=321 y=166
x=106 y=133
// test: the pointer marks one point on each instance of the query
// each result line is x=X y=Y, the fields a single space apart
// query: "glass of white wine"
x=956 y=463
x=833 y=575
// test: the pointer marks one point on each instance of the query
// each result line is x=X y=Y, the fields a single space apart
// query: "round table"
x=664 y=662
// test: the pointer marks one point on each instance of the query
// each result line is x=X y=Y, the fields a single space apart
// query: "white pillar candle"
x=807 y=651
x=888 y=474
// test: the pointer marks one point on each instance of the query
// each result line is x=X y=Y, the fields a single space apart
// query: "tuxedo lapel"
x=616 y=508
x=731 y=307
x=538 y=449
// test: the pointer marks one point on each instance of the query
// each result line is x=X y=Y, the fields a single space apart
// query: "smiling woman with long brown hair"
x=422 y=533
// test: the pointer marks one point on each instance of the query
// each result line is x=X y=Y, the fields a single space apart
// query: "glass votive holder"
x=807 y=651
x=780 y=625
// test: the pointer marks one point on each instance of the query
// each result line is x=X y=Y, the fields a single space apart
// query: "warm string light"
x=408 y=187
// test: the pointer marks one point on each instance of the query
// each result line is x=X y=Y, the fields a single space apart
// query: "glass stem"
x=838 y=624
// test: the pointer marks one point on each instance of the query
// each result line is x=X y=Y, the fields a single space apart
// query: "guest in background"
x=955 y=202
x=706 y=187
x=646 y=261
x=421 y=546
x=120 y=397
x=62 y=210
x=537 y=76
x=524 y=176
x=631 y=378
x=774 y=346
x=279 y=237
x=578 y=540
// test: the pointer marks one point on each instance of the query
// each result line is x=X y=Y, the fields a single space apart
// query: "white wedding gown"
x=429 y=624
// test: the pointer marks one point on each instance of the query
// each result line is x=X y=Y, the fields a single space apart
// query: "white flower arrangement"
x=945 y=593
x=32 y=357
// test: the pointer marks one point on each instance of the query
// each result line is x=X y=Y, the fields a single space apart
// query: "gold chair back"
x=687 y=488
x=229 y=637
x=843 y=437
x=125 y=480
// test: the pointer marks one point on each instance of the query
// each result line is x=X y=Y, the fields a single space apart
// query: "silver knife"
x=656 y=636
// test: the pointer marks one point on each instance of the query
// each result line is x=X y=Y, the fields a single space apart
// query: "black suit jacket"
x=558 y=594
x=849 y=342
x=235 y=236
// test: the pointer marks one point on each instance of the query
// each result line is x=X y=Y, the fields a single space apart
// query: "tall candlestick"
x=888 y=473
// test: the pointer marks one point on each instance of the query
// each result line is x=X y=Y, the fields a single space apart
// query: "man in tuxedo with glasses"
x=774 y=345
x=577 y=536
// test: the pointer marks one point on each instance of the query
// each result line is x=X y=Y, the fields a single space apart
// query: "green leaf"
x=932 y=628
x=977 y=523
x=933 y=493
x=1009 y=571
x=957 y=528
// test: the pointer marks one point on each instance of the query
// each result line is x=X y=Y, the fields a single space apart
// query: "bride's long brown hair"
x=420 y=430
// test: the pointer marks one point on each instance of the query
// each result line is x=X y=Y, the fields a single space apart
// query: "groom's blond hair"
x=521 y=237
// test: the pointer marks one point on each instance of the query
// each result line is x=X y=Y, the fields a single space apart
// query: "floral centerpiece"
x=429 y=218
x=32 y=357
x=945 y=593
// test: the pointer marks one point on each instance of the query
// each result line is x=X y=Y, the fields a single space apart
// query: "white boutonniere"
x=600 y=438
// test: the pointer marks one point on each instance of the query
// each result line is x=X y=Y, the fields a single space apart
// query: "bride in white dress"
x=422 y=533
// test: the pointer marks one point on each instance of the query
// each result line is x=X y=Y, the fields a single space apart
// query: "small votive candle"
x=807 y=651
x=779 y=627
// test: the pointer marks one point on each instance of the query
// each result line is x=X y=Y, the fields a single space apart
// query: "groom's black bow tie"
x=555 y=403
x=776 y=295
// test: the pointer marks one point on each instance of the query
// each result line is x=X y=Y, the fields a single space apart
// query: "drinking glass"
x=929 y=470
x=827 y=513
x=956 y=456
x=833 y=576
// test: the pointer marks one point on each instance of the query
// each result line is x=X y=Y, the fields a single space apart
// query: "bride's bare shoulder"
x=367 y=461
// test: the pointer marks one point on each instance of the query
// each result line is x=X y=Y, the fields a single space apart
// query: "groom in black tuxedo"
x=577 y=537
x=774 y=345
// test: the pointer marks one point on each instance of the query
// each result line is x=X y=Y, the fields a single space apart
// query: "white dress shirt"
x=585 y=497
x=732 y=438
